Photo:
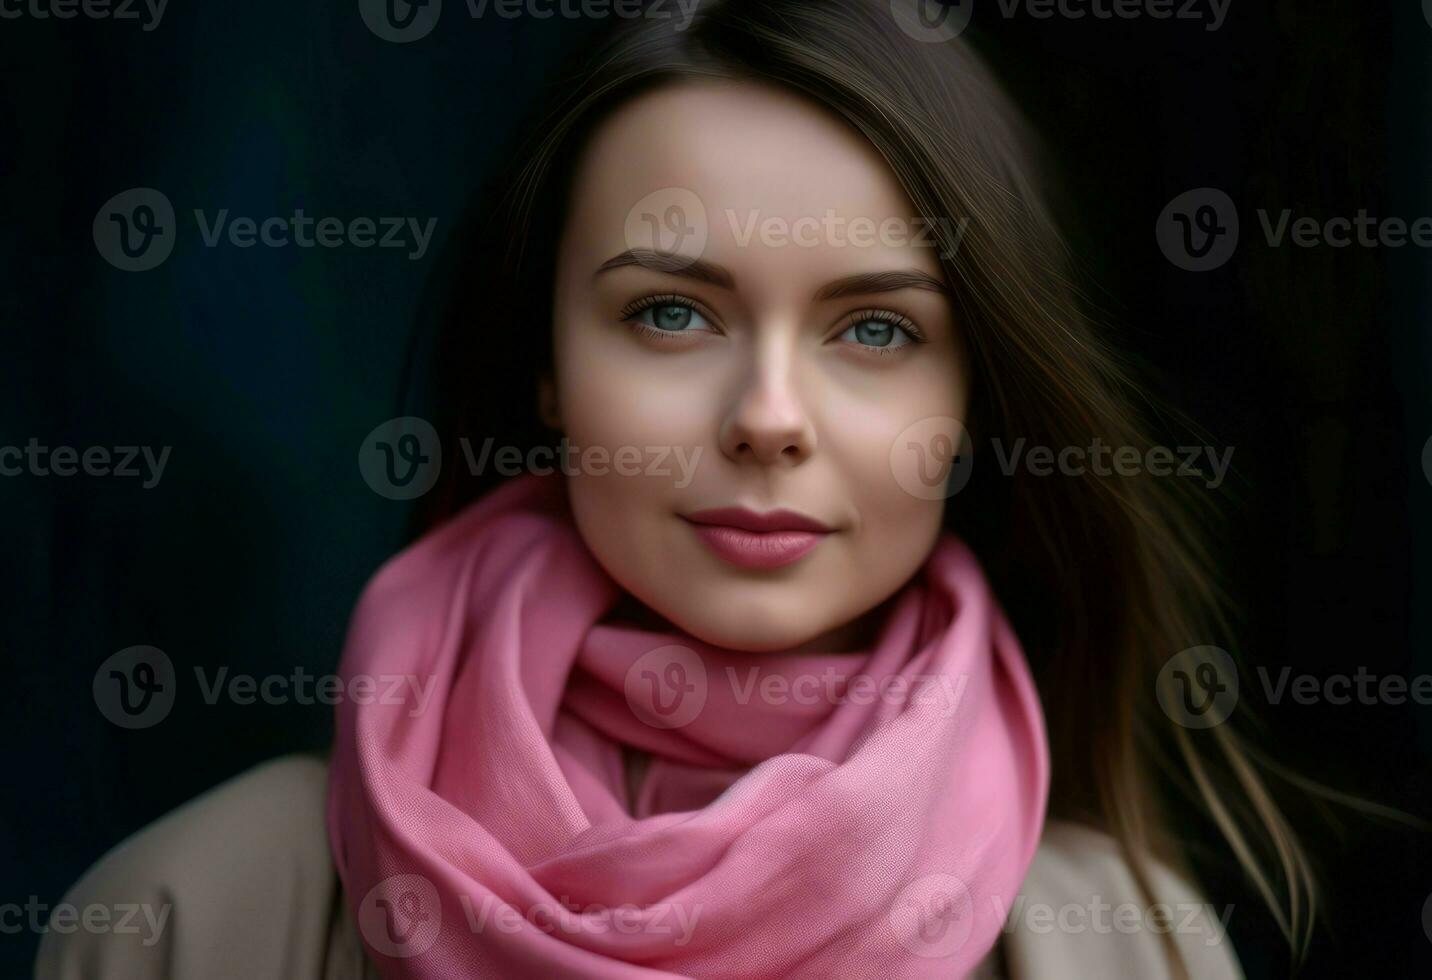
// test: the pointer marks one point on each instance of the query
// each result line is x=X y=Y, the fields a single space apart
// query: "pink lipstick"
x=753 y=540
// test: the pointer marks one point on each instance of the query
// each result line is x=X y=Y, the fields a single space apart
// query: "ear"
x=547 y=403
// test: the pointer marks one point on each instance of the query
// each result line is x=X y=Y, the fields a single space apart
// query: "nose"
x=767 y=422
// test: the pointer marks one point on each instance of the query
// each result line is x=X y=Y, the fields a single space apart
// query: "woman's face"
x=751 y=328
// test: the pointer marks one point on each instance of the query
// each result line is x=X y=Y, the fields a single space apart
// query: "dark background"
x=264 y=368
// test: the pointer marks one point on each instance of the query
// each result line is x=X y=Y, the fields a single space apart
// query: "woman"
x=734 y=694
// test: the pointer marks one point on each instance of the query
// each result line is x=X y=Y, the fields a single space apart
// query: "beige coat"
x=251 y=893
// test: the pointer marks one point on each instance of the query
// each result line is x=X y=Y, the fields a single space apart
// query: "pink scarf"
x=805 y=815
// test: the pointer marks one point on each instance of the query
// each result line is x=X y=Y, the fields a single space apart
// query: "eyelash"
x=629 y=312
x=884 y=316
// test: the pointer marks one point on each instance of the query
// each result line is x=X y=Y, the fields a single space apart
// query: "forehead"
x=755 y=160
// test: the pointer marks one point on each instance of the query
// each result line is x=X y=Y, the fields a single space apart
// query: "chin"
x=750 y=627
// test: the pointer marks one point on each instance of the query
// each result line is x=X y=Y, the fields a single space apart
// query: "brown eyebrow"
x=880 y=282
x=709 y=272
x=679 y=265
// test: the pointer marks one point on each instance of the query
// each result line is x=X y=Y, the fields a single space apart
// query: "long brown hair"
x=1105 y=577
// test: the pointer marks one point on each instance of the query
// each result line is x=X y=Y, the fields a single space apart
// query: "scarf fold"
x=803 y=815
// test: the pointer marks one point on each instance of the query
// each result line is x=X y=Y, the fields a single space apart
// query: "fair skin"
x=793 y=369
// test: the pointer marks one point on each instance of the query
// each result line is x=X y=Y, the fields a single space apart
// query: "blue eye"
x=877 y=332
x=671 y=317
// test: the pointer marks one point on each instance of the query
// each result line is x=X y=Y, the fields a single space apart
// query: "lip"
x=757 y=540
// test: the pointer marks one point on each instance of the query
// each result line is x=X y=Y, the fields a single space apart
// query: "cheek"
x=612 y=393
x=616 y=405
x=894 y=452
